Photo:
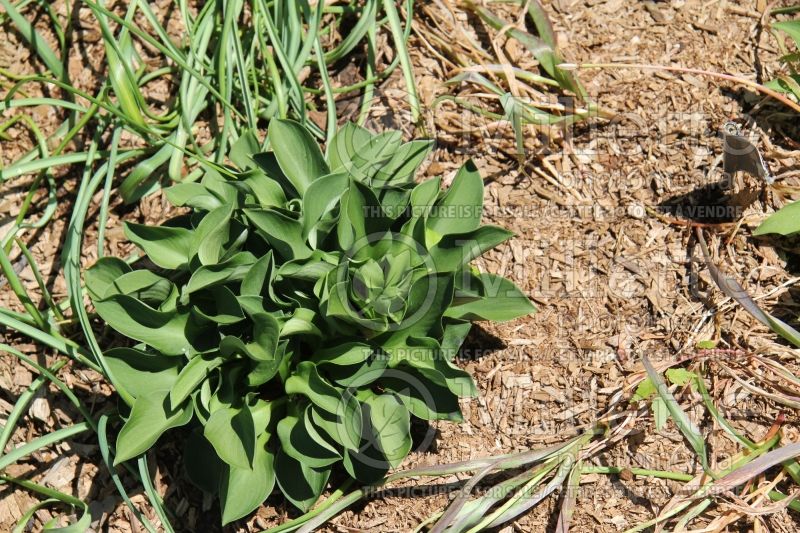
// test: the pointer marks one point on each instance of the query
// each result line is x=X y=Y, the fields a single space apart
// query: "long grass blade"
x=405 y=60
x=41 y=442
x=687 y=427
x=37 y=42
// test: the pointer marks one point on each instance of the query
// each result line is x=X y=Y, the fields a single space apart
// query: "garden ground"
x=612 y=275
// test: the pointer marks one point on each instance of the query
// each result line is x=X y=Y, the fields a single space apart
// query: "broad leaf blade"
x=297 y=153
x=167 y=247
x=244 y=489
x=301 y=484
x=785 y=222
x=232 y=434
x=150 y=417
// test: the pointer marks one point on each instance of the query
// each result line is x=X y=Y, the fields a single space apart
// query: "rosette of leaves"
x=300 y=312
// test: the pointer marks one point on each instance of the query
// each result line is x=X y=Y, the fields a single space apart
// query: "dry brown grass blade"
x=570 y=499
x=733 y=289
x=777 y=398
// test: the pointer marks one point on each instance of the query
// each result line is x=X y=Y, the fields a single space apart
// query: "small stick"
x=644 y=66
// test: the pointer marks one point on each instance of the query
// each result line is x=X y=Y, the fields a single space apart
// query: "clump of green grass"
x=494 y=87
x=238 y=65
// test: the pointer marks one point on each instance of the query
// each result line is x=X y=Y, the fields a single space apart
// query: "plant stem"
x=405 y=60
x=329 y=501
x=663 y=474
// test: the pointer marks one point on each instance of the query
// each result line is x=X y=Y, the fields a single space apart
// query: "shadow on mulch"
x=713 y=203
x=478 y=344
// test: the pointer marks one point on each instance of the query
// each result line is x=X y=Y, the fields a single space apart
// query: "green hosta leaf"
x=423 y=354
x=371 y=279
x=339 y=413
x=423 y=399
x=391 y=424
x=495 y=298
x=259 y=276
x=193 y=195
x=266 y=414
x=367 y=464
x=220 y=187
x=212 y=234
x=460 y=209
x=191 y=376
x=453 y=252
x=243 y=149
x=267 y=191
x=165 y=246
x=262 y=371
x=202 y=401
x=203 y=466
x=337 y=309
x=171 y=333
x=150 y=417
x=297 y=153
x=301 y=484
x=404 y=163
x=349 y=353
x=102 y=274
x=321 y=197
x=268 y=165
x=421 y=204
x=429 y=298
x=344 y=427
x=146 y=287
x=307 y=381
x=140 y=372
x=232 y=434
x=357 y=375
x=301 y=440
x=424 y=196
x=784 y=222
x=366 y=161
x=361 y=216
x=220 y=305
x=252 y=304
x=345 y=145
x=234 y=269
x=312 y=269
x=301 y=323
x=453 y=338
x=285 y=234
x=264 y=344
x=395 y=202
x=244 y=489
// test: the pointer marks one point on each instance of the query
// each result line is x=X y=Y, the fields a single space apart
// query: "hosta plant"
x=303 y=308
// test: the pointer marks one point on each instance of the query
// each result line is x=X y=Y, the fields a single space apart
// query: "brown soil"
x=612 y=280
